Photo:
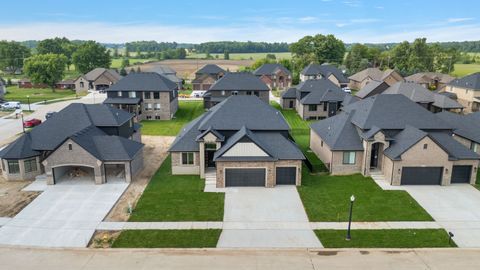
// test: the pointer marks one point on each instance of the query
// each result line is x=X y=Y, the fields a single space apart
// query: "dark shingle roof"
x=322 y=90
x=210 y=69
x=186 y=141
x=403 y=141
x=325 y=70
x=471 y=81
x=290 y=93
x=393 y=112
x=270 y=69
x=144 y=81
x=455 y=149
x=19 y=149
x=338 y=132
x=239 y=81
x=372 y=88
x=467 y=126
x=349 y=99
x=95 y=73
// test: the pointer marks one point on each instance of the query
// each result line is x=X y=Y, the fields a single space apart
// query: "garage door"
x=244 y=177
x=286 y=175
x=461 y=174
x=421 y=175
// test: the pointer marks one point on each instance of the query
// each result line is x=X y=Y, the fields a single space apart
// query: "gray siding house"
x=82 y=142
x=242 y=141
x=148 y=95
x=237 y=83
x=330 y=72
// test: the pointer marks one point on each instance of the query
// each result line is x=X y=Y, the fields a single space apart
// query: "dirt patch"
x=186 y=68
x=327 y=253
x=12 y=198
x=154 y=152
x=103 y=239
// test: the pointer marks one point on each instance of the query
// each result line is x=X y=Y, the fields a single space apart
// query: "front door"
x=374 y=156
x=209 y=158
x=290 y=104
x=332 y=109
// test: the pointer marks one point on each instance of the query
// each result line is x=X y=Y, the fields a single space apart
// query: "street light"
x=23 y=126
x=28 y=100
x=352 y=199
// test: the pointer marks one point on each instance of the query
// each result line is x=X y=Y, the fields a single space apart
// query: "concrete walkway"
x=212 y=259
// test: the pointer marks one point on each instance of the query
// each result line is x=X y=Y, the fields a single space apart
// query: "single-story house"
x=430 y=80
x=362 y=78
x=148 y=95
x=26 y=83
x=82 y=142
x=275 y=76
x=331 y=72
x=392 y=136
x=467 y=90
x=206 y=76
x=97 y=79
x=236 y=83
x=430 y=100
x=242 y=141
x=65 y=84
x=314 y=99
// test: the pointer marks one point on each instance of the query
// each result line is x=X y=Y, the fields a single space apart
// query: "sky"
x=187 y=21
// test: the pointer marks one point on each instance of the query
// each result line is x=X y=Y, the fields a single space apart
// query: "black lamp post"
x=352 y=199
x=28 y=100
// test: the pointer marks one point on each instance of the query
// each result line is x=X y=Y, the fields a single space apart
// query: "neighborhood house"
x=275 y=76
x=97 y=79
x=364 y=77
x=430 y=80
x=207 y=76
x=316 y=71
x=467 y=90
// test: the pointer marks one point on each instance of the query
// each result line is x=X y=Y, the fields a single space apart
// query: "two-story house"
x=275 y=76
x=327 y=71
x=206 y=76
x=364 y=77
x=149 y=95
x=467 y=90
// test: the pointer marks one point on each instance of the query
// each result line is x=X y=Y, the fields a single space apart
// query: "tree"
x=57 y=46
x=123 y=72
x=46 y=68
x=180 y=53
x=270 y=56
x=115 y=52
x=132 y=70
x=226 y=55
x=125 y=62
x=319 y=49
x=12 y=55
x=90 y=55
x=127 y=52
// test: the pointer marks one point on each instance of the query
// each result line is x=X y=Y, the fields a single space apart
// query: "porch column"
x=202 y=159
x=366 y=158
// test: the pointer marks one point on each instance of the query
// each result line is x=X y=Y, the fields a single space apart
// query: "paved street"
x=119 y=259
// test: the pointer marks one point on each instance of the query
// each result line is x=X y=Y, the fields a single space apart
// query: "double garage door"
x=433 y=175
x=256 y=177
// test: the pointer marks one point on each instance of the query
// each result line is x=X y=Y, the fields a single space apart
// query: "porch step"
x=380 y=180
x=211 y=182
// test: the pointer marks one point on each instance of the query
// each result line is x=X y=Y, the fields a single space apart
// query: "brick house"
x=430 y=80
x=362 y=78
x=390 y=135
x=207 y=76
x=330 y=72
x=467 y=90
x=97 y=79
x=148 y=95
x=82 y=142
x=243 y=141
x=275 y=76
x=236 y=83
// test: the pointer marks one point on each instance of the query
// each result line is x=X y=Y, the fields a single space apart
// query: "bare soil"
x=12 y=198
x=103 y=239
x=186 y=68
x=154 y=153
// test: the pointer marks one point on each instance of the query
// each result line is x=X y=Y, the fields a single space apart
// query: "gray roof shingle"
x=290 y=93
x=270 y=69
x=239 y=81
x=325 y=70
x=467 y=126
x=210 y=69
x=322 y=90
x=372 y=88
x=20 y=148
x=471 y=81
x=144 y=81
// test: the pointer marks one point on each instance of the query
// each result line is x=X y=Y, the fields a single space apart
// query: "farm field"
x=465 y=69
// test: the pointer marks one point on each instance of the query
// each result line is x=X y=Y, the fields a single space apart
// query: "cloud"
x=379 y=7
x=455 y=20
x=308 y=19
x=352 y=3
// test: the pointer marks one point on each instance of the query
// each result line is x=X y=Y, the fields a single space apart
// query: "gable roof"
x=210 y=69
x=393 y=112
x=373 y=73
x=144 y=81
x=242 y=110
x=270 y=69
x=325 y=70
x=237 y=137
x=467 y=126
x=97 y=72
x=20 y=148
x=322 y=90
x=338 y=132
x=403 y=141
x=290 y=93
x=428 y=77
x=471 y=81
x=372 y=88
x=186 y=140
x=239 y=81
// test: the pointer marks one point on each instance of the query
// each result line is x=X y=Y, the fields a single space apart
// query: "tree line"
x=241 y=47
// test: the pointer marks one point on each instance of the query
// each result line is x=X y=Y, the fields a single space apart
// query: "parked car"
x=197 y=93
x=49 y=114
x=347 y=90
x=10 y=105
x=32 y=123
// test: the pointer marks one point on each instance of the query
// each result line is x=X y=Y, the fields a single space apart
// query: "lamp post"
x=28 y=100
x=23 y=126
x=352 y=199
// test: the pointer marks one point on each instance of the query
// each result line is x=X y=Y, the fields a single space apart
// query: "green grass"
x=477 y=182
x=242 y=56
x=187 y=111
x=326 y=198
x=36 y=94
x=465 y=69
x=398 y=238
x=177 y=198
x=300 y=131
x=167 y=239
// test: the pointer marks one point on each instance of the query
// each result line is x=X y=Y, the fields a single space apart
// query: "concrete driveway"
x=265 y=218
x=455 y=208
x=64 y=215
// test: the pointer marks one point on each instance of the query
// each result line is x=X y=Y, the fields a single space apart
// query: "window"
x=69 y=146
x=30 y=165
x=148 y=106
x=312 y=107
x=149 y=117
x=474 y=147
x=425 y=146
x=13 y=167
x=249 y=93
x=325 y=106
x=82 y=85
x=223 y=92
x=321 y=143
x=156 y=107
x=156 y=95
x=132 y=94
x=348 y=157
x=157 y=117
x=119 y=93
x=187 y=158
x=147 y=95
x=256 y=93
x=210 y=146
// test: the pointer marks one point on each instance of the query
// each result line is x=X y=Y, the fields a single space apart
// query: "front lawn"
x=177 y=198
x=327 y=198
x=477 y=182
x=187 y=111
x=36 y=94
x=167 y=239
x=403 y=238
x=300 y=131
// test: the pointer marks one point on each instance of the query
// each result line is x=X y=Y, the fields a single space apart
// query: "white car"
x=347 y=90
x=9 y=105
x=197 y=94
